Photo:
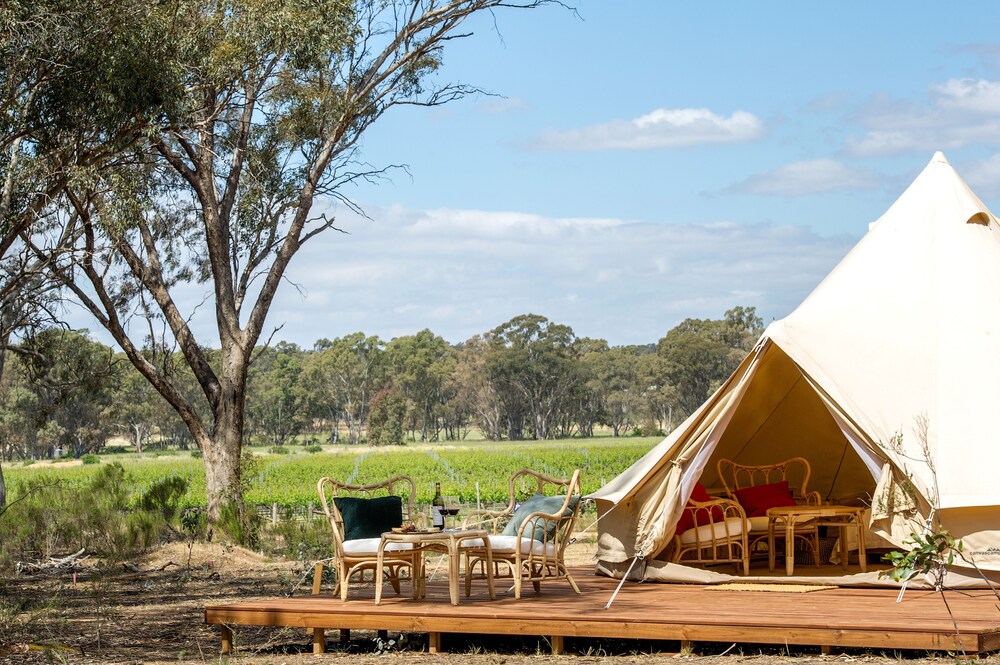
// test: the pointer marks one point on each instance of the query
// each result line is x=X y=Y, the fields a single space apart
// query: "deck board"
x=845 y=617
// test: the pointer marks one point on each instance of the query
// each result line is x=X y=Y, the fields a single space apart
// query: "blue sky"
x=650 y=161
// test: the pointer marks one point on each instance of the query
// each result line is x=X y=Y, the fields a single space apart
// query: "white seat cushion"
x=360 y=546
x=507 y=545
x=705 y=534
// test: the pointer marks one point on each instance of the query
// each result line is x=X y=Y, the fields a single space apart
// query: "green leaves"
x=931 y=553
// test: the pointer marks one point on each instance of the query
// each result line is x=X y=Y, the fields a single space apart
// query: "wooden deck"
x=841 y=617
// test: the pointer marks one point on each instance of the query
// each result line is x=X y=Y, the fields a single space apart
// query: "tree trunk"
x=137 y=437
x=222 y=479
x=222 y=451
x=3 y=489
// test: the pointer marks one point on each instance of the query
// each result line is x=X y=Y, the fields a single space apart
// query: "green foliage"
x=278 y=450
x=699 y=354
x=163 y=496
x=109 y=514
x=385 y=418
x=91 y=458
x=303 y=540
x=196 y=454
x=235 y=521
x=314 y=449
x=930 y=553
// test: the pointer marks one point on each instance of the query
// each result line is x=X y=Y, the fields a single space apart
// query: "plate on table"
x=399 y=529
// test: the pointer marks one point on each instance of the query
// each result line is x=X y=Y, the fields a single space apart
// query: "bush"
x=314 y=449
x=91 y=458
x=278 y=450
x=105 y=515
x=196 y=454
x=301 y=540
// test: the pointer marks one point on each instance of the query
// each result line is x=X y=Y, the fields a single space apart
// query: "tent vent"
x=982 y=218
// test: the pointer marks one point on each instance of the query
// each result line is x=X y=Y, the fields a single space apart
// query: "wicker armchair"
x=532 y=546
x=718 y=535
x=795 y=471
x=357 y=555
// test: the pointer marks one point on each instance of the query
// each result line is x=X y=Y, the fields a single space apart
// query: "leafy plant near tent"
x=932 y=553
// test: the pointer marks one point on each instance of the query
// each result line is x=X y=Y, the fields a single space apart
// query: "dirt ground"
x=151 y=611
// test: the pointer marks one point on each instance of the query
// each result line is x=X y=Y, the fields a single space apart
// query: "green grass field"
x=470 y=470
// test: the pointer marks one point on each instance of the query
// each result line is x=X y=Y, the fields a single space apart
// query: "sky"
x=641 y=162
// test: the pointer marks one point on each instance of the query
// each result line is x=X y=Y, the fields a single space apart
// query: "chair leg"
x=572 y=582
x=342 y=574
x=468 y=575
x=317 y=578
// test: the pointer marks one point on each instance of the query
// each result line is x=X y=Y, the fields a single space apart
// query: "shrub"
x=314 y=449
x=91 y=458
x=105 y=515
x=278 y=450
x=243 y=528
x=301 y=539
x=196 y=454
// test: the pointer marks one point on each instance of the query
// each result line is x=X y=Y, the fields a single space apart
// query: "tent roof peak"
x=939 y=158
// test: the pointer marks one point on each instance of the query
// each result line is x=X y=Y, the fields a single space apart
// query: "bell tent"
x=886 y=379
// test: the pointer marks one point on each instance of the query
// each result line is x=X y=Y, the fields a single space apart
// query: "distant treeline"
x=529 y=378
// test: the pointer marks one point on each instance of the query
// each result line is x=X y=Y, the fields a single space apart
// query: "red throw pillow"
x=758 y=498
x=686 y=521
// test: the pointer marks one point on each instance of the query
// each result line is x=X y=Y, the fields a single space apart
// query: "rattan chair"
x=796 y=472
x=535 y=551
x=718 y=535
x=356 y=556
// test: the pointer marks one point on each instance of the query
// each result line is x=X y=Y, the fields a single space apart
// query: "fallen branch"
x=52 y=564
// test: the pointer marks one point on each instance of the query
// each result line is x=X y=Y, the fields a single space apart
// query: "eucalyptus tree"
x=277 y=397
x=75 y=90
x=74 y=379
x=342 y=376
x=420 y=365
x=276 y=96
x=700 y=353
x=531 y=364
x=474 y=395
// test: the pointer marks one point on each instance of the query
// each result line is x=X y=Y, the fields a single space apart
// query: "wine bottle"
x=437 y=508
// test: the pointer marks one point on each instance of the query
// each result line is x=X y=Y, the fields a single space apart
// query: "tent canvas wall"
x=886 y=377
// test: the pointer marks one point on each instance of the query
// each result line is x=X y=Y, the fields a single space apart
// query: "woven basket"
x=804 y=555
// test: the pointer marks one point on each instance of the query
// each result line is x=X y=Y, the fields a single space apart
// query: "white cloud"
x=984 y=176
x=662 y=128
x=808 y=177
x=958 y=113
x=463 y=272
x=974 y=96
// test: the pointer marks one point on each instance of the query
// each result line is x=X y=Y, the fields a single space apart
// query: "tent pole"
x=622 y=583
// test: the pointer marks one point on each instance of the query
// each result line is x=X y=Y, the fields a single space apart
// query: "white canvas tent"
x=895 y=352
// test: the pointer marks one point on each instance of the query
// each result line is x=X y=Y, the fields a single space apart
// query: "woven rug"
x=782 y=588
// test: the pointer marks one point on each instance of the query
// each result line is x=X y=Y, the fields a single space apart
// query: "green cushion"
x=369 y=518
x=539 y=503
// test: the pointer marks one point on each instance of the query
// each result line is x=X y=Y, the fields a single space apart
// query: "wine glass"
x=451 y=509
